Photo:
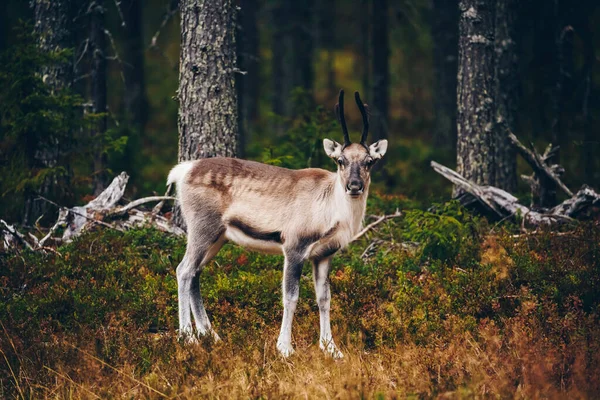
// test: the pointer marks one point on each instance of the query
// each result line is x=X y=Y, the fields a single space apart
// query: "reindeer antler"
x=339 y=112
x=364 y=110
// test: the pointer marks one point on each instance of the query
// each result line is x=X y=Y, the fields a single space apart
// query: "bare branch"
x=537 y=163
x=118 y=7
x=116 y=54
x=171 y=11
x=138 y=202
x=372 y=225
x=16 y=234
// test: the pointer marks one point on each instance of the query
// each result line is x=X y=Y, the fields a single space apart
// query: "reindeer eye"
x=369 y=161
x=340 y=161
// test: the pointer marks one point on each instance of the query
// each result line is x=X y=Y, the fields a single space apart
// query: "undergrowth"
x=472 y=310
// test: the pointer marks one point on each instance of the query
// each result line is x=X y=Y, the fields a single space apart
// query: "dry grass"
x=516 y=362
x=506 y=317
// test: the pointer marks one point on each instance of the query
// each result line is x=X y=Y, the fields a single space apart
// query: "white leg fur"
x=290 y=300
x=323 y=294
x=190 y=299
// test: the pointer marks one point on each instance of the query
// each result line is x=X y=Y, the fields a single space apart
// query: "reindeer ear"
x=377 y=150
x=332 y=148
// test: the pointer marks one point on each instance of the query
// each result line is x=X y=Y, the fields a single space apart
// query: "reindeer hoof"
x=330 y=348
x=285 y=349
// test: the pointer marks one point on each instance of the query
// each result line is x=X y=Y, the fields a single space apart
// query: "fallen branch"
x=545 y=177
x=139 y=202
x=15 y=234
x=502 y=203
x=374 y=224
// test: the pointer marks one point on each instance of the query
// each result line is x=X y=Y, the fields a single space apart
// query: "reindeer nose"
x=355 y=186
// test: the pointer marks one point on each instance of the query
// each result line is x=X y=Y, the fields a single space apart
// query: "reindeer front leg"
x=292 y=270
x=323 y=292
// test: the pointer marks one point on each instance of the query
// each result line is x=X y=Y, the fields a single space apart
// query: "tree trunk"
x=444 y=32
x=302 y=43
x=98 y=94
x=207 y=97
x=136 y=105
x=475 y=97
x=248 y=84
x=365 y=46
x=381 y=74
x=564 y=71
x=507 y=92
x=281 y=47
x=325 y=41
x=54 y=27
x=292 y=46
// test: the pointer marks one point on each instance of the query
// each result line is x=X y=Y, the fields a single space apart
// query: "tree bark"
x=381 y=72
x=53 y=25
x=507 y=92
x=475 y=94
x=207 y=97
x=54 y=28
x=98 y=94
x=444 y=32
x=247 y=84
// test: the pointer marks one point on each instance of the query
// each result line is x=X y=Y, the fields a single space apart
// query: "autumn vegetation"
x=438 y=303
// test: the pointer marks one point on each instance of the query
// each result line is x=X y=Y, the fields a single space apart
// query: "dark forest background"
x=293 y=58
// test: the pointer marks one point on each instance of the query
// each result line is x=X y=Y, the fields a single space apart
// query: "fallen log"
x=505 y=205
x=103 y=210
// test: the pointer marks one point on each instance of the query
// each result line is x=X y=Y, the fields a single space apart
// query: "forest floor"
x=475 y=310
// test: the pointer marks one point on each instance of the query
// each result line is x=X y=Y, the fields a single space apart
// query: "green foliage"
x=448 y=233
x=465 y=286
x=35 y=124
x=302 y=144
x=44 y=140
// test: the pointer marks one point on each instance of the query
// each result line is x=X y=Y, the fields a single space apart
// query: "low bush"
x=473 y=310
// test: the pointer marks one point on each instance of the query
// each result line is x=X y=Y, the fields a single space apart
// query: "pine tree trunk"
x=381 y=75
x=302 y=43
x=507 y=92
x=54 y=27
x=207 y=97
x=248 y=84
x=325 y=41
x=365 y=46
x=136 y=105
x=281 y=61
x=475 y=94
x=98 y=94
x=444 y=32
x=564 y=72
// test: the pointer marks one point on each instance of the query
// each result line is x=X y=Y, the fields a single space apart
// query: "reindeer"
x=306 y=214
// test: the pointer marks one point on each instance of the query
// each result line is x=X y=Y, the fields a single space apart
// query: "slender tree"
x=292 y=46
x=97 y=44
x=53 y=25
x=303 y=43
x=475 y=95
x=380 y=69
x=133 y=57
x=507 y=91
x=208 y=122
x=444 y=32
x=281 y=62
x=247 y=82
x=325 y=42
